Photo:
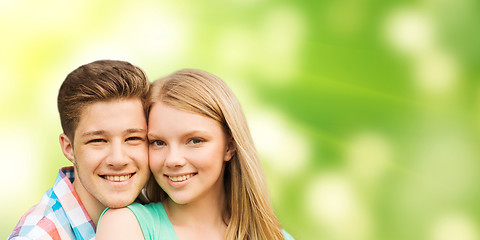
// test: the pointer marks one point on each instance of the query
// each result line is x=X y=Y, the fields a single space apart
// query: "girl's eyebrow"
x=151 y=135
x=190 y=133
x=196 y=132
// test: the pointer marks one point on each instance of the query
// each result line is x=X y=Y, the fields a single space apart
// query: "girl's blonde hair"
x=248 y=204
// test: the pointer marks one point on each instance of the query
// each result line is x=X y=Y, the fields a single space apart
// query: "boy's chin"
x=120 y=203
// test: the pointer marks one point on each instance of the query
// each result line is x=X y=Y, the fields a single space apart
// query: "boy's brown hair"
x=101 y=80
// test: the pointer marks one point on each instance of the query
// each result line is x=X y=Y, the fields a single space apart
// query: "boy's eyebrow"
x=93 y=133
x=136 y=130
x=103 y=132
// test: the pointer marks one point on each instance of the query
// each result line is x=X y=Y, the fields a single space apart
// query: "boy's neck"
x=93 y=207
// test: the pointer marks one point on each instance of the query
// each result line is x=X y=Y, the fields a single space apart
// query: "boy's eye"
x=97 y=140
x=157 y=143
x=133 y=138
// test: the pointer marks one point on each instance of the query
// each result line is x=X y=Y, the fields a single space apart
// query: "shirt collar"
x=70 y=201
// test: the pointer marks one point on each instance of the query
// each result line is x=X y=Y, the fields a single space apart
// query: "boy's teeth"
x=180 y=178
x=118 y=178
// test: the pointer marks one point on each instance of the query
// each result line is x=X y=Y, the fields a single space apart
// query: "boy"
x=101 y=106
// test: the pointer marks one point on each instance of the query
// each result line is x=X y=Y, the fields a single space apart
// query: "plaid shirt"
x=59 y=215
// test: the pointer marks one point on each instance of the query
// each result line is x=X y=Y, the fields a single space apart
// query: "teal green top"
x=153 y=221
x=155 y=224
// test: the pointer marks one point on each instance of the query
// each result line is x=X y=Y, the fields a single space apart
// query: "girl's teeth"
x=180 y=178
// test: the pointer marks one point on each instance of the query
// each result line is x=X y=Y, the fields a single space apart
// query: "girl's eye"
x=157 y=143
x=195 y=141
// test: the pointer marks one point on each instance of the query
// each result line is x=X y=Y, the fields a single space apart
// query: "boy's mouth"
x=117 y=178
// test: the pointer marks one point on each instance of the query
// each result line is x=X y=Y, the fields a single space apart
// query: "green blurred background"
x=365 y=113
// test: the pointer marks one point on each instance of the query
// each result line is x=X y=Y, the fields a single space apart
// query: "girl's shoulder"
x=118 y=223
x=144 y=210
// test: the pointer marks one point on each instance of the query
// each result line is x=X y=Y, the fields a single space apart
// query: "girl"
x=208 y=182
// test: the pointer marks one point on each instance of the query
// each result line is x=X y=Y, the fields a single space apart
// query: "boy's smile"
x=110 y=153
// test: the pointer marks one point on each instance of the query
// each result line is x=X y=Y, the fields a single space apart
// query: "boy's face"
x=110 y=153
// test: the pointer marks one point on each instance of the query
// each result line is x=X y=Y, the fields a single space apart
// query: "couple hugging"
x=193 y=173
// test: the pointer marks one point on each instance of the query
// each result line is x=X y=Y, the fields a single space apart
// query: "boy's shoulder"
x=40 y=221
x=58 y=215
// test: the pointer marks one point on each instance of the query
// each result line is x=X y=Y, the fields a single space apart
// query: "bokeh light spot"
x=331 y=199
x=8 y=83
x=282 y=148
x=18 y=153
x=454 y=226
x=409 y=31
x=333 y=203
x=449 y=160
x=369 y=155
x=283 y=32
x=436 y=72
x=235 y=48
x=163 y=34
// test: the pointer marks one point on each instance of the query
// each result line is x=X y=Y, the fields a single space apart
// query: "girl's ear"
x=67 y=147
x=230 y=151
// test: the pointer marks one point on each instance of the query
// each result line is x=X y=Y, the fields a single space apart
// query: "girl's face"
x=187 y=153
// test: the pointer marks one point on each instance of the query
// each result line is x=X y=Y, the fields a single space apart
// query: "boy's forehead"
x=128 y=111
x=86 y=108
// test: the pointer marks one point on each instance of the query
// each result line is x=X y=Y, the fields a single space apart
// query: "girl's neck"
x=205 y=219
x=207 y=211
